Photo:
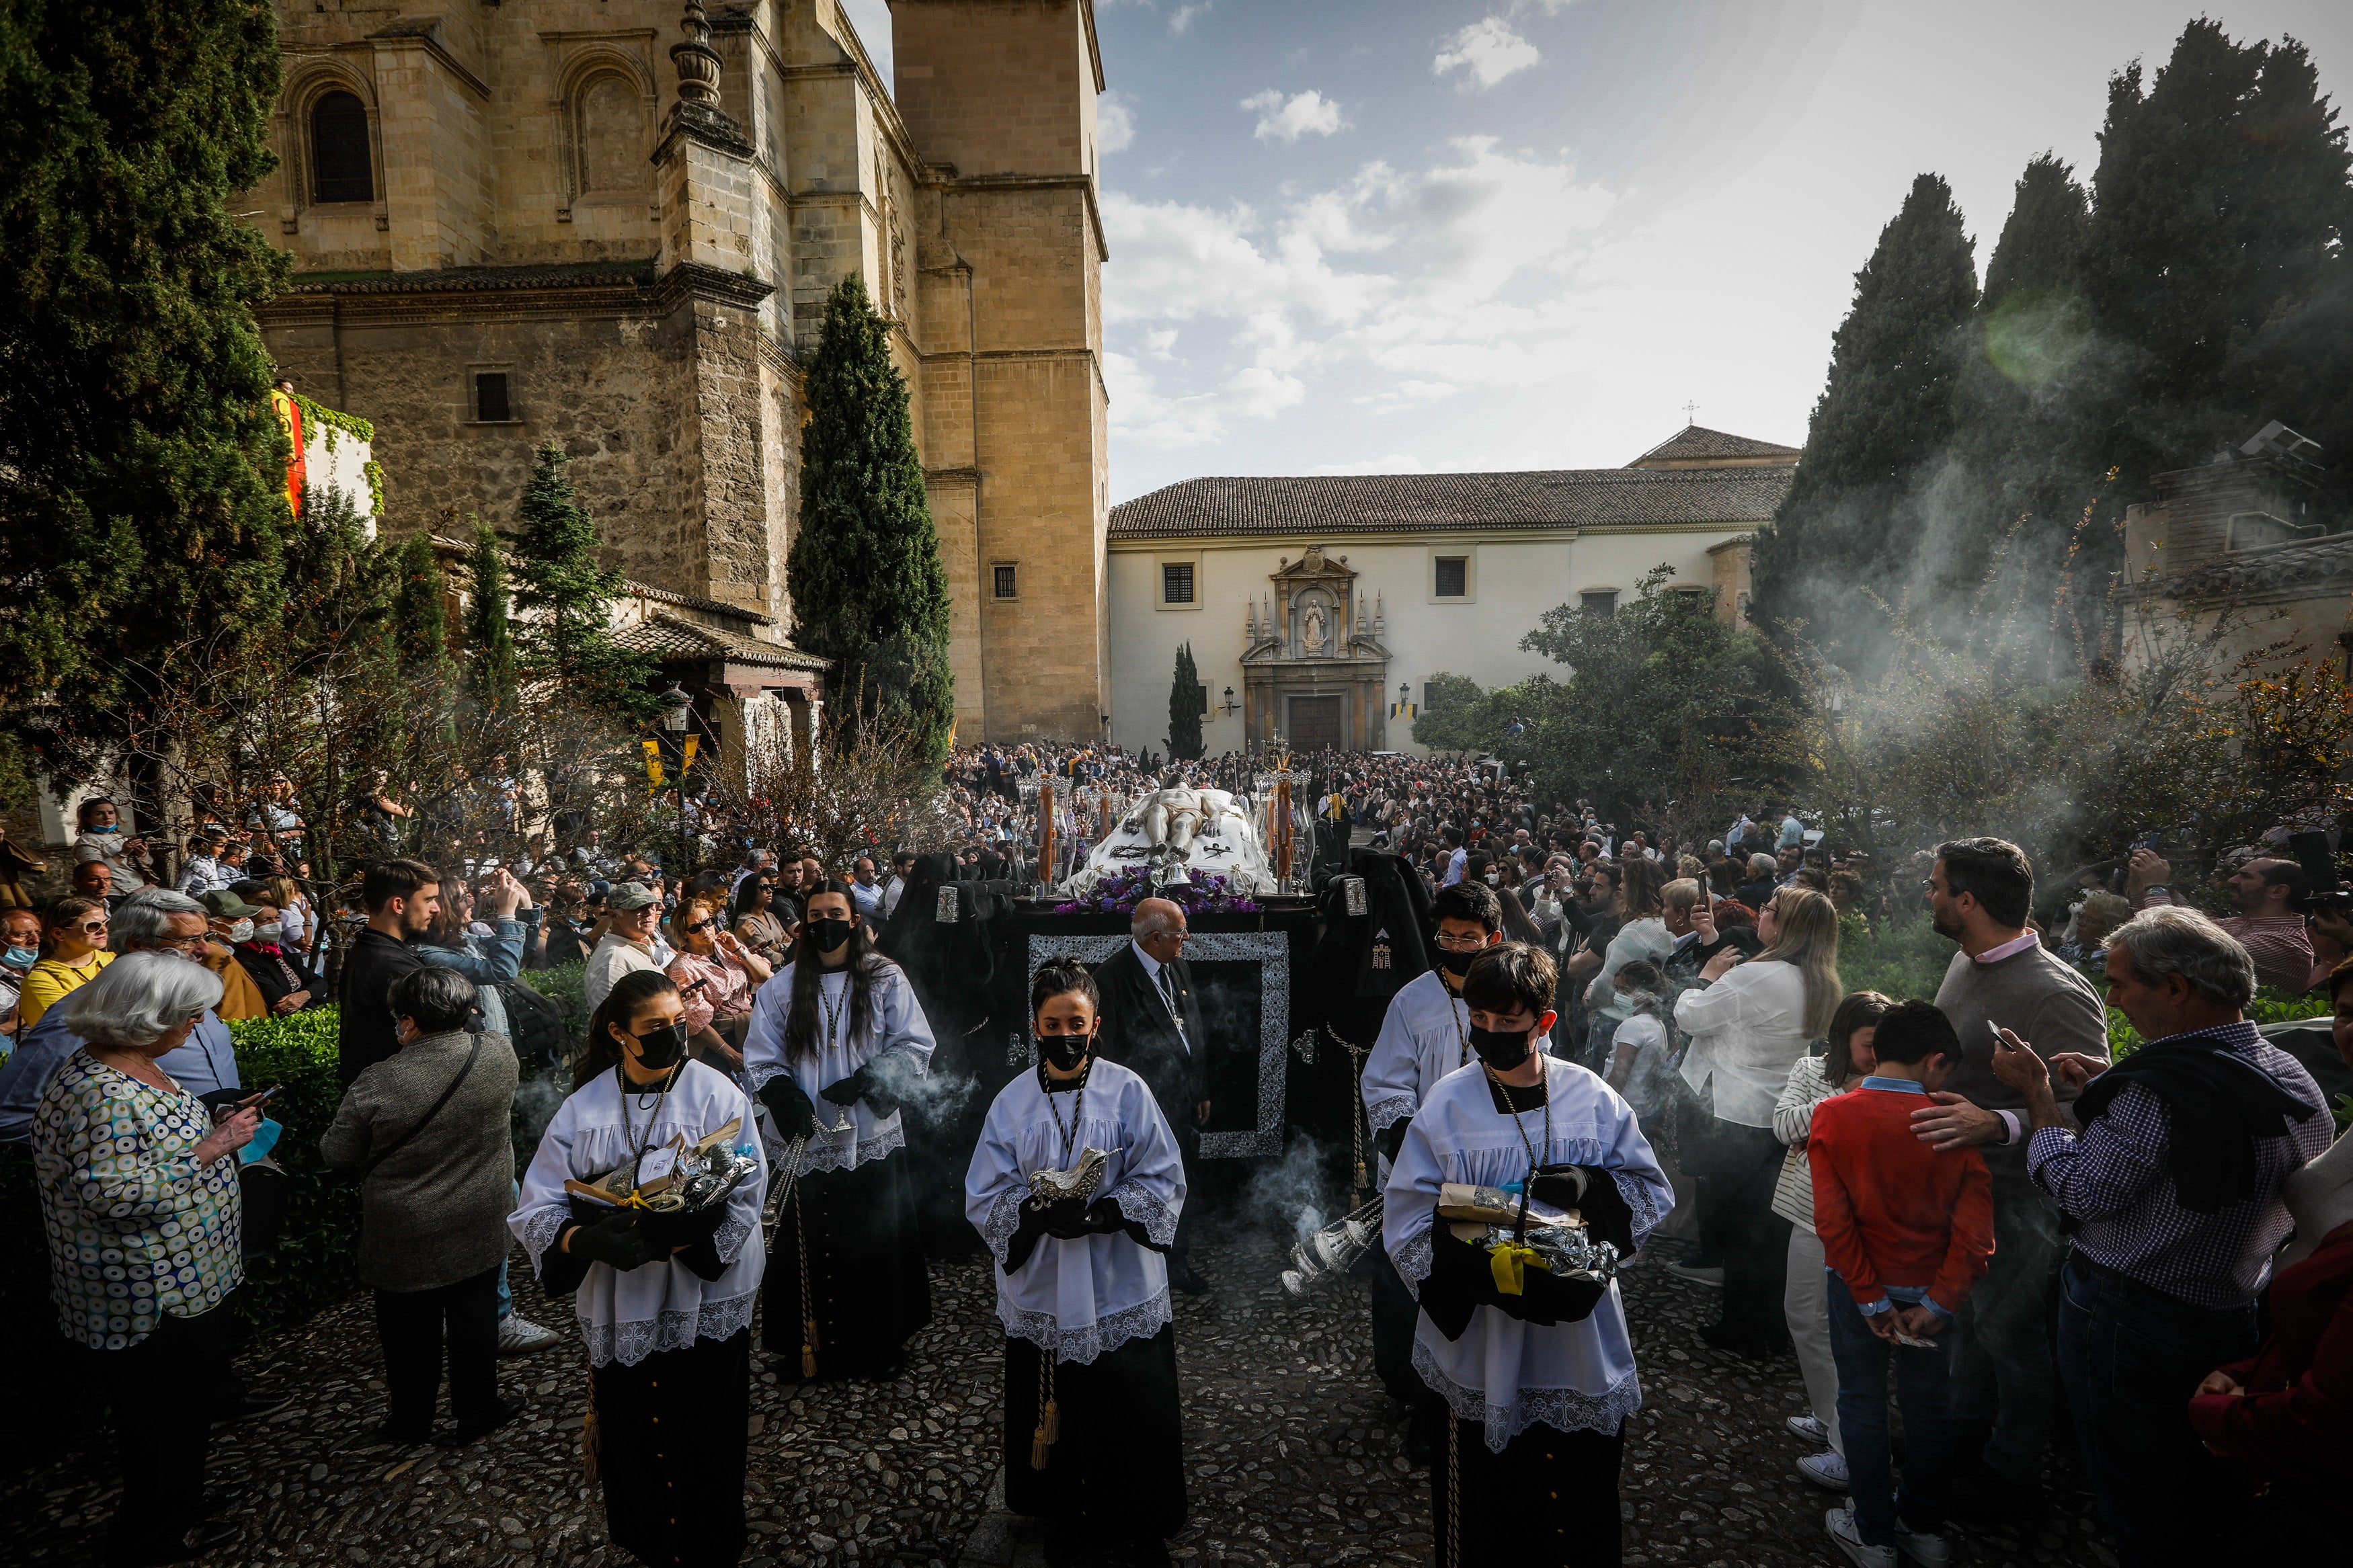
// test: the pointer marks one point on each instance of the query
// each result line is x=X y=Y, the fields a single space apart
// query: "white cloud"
x=1182 y=19
x=1114 y=122
x=1401 y=288
x=1286 y=119
x=1387 y=463
x=1489 y=49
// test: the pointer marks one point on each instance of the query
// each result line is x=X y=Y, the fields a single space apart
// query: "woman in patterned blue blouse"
x=138 y=1181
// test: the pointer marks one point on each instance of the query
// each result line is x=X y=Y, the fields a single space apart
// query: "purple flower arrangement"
x=1119 y=895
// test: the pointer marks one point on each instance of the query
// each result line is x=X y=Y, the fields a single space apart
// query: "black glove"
x=1105 y=1217
x=789 y=1109
x=616 y=1241
x=1392 y=1137
x=1065 y=1220
x=865 y=1084
x=1562 y=1186
x=847 y=1091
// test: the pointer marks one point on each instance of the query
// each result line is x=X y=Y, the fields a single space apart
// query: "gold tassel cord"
x=1050 y=1414
x=808 y=1306
x=591 y=1436
x=1454 y=1491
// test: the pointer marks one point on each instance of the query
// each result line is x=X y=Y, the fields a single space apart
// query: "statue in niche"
x=1311 y=630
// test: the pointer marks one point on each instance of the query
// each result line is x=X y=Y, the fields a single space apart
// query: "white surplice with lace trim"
x=1503 y=1373
x=664 y=1306
x=1075 y=1300
x=898 y=1025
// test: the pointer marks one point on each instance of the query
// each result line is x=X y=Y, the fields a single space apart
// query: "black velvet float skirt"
x=670 y=1451
x=1118 y=1466
x=865 y=1283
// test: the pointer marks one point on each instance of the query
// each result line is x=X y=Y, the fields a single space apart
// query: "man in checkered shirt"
x=2171 y=1243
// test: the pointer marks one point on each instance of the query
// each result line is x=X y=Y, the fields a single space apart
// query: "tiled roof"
x=2269 y=570
x=1412 y=503
x=674 y=639
x=468 y=279
x=1697 y=443
x=695 y=602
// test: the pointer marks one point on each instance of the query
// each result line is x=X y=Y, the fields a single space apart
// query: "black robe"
x=1117 y=1468
x=867 y=1287
x=670 y=1443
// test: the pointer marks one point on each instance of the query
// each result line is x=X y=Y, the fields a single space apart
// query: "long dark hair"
x=629 y=992
x=1860 y=1010
x=803 y=1024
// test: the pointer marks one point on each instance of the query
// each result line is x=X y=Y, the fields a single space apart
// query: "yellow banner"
x=687 y=748
x=653 y=762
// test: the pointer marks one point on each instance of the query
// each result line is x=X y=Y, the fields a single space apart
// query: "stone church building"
x=610 y=226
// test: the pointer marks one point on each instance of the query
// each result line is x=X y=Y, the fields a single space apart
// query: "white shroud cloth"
x=663 y=1306
x=898 y=1024
x=1503 y=1373
x=1075 y=1300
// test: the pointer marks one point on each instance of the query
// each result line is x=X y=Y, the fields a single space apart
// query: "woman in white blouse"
x=1749 y=1023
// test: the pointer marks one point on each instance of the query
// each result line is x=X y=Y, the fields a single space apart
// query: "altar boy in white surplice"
x=1535 y=1370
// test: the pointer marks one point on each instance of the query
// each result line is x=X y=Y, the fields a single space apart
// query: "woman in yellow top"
x=73 y=949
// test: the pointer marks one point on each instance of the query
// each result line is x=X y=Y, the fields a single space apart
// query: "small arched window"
x=340 y=166
x=614 y=139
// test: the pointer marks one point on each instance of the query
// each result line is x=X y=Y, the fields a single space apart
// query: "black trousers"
x=1737 y=1223
x=417 y=1326
x=162 y=1440
x=1549 y=1500
x=1394 y=1313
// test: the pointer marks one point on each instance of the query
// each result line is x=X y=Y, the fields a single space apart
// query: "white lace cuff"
x=540 y=1231
x=1643 y=1199
x=1391 y=1108
x=631 y=1343
x=1004 y=1219
x=1562 y=1409
x=757 y=1074
x=1413 y=1261
x=1159 y=1220
x=728 y=1239
x=1083 y=1344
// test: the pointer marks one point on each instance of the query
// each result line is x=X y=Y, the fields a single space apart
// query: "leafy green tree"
x=140 y=464
x=1880 y=429
x=490 y=641
x=1185 y=708
x=566 y=595
x=1451 y=717
x=420 y=619
x=868 y=587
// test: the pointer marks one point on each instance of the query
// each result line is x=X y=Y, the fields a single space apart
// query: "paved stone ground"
x=1293 y=1452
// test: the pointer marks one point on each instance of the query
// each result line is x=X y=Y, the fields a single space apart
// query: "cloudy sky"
x=1357 y=236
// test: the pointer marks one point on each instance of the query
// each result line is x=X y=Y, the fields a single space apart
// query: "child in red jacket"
x=1906 y=1232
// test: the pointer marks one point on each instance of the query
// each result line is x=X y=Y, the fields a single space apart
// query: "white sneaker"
x=1840 y=1522
x=1926 y=1549
x=518 y=1335
x=1713 y=1276
x=1826 y=1470
x=1807 y=1427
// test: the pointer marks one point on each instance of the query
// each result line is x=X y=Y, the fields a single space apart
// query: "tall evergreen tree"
x=868 y=587
x=2219 y=208
x=1881 y=426
x=2022 y=474
x=566 y=595
x=1185 y=708
x=140 y=464
x=489 y=642
x=420 y=619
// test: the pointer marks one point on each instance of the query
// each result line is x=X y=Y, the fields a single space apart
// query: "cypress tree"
x=869 y=590
x=2219 y=203
x=141 y=468
x=1185 y=708
x=1884 y=418
x=420 y=618
x=565 y=598
x=490 y=643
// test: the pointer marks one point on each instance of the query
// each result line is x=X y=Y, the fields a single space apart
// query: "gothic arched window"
x=340 y=169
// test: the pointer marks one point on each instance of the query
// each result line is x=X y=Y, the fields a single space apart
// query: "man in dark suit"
x=1151 y=1026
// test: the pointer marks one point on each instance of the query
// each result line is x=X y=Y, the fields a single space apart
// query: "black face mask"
x=1065 y=1051
x=825 y=935
x=1458 y=964
x=1498 y=1049
x=658 y=1050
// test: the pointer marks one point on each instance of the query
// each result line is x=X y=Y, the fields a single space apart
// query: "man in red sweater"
x=1905 y=1231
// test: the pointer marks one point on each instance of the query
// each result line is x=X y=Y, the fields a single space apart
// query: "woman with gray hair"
x=139 y=1195
x=424 y=1130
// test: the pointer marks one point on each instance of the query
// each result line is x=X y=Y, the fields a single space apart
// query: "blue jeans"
x=2130 y=1359
x=1924 y=1388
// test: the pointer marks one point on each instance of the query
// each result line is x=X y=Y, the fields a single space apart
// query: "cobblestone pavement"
x=1293 y=1452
